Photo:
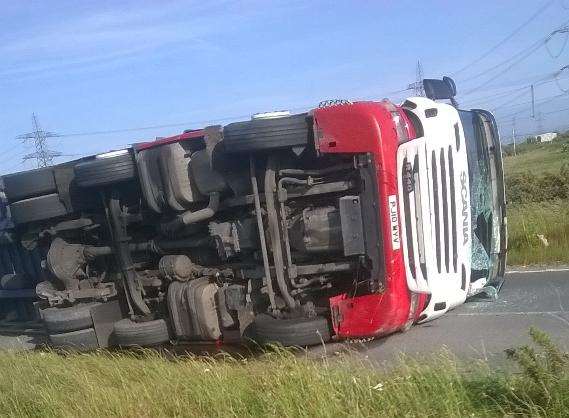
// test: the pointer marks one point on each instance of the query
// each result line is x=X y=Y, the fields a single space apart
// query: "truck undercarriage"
x=279 y=229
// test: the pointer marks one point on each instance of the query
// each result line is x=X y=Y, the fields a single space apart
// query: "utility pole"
x=539 y=121
x=42 y=154
x=514 y=133
x=532 y=103
x=417 y=86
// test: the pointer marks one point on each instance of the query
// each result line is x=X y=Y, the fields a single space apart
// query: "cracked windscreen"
x=481 y=197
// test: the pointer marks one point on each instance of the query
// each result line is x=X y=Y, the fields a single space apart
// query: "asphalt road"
x=476 y=330
x=483 y=330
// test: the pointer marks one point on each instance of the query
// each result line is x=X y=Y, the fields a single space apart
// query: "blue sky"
x=87 y=66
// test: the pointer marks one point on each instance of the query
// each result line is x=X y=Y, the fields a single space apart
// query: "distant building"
x=546 y=137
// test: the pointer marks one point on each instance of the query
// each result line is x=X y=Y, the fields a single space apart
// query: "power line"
x=496 y=95
x=169 y=125
x=529 y=117
x=507 y=38
x=504 y=104
x=550 y=78
x=537 y=80
x=202 y=122
x=541 y=102
x=517 y=58
x=523 y=53
x=509 y=67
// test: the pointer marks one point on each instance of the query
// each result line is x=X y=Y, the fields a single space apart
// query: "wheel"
x=37 y=209
x=82 y=340
x=111 y=168
x=13 y=281
x=300 y=332
x=127 y=333
x=265 y=134
x=74 y=318
x=28 y=184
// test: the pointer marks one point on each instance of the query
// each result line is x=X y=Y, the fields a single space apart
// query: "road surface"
x=483 y=330
x=479 y=330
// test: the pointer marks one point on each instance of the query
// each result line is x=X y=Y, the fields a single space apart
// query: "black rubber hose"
x=321 y=172
x=190 y=217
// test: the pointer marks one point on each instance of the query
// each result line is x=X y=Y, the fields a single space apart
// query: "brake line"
x=132 y=284
x=268 y=279
x=274 y=231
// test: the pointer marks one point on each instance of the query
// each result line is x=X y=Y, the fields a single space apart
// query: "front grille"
x=429 y=212
x=444 y=209
x=435 y=212
x=453 y=197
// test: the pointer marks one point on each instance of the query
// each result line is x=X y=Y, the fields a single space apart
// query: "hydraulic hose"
x=274 y=231
x=261 y=229
x=190 y=217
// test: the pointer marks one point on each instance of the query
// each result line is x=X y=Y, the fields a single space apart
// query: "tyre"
x=81 y=340
x=12 y=281
x=38 y=209
x=300 y=332
x=58 y=320
x=28 y=184
x=115 y=167
x=267 y=134
x=127 y=333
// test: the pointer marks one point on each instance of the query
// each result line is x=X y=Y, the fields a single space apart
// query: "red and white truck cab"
x=434 y=189
x=453 y=198
x=375 y=129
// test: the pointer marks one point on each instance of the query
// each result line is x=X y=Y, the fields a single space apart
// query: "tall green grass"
x=537 y=192
x=279 y=384
x=526 y=221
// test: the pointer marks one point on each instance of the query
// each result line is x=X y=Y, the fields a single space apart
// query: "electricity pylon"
x=42 y=154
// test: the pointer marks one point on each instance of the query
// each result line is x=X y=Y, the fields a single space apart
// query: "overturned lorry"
x=352 y=220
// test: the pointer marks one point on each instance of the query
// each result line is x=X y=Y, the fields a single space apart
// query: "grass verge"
x=526 y=222
x=279 y=384
x=538 y=159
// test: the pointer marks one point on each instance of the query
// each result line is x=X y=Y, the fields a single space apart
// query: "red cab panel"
x=369 y=127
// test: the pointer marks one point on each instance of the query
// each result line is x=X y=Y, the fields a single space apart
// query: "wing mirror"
x=440 y=89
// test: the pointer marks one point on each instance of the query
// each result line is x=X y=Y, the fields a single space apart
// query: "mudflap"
x=363 y=316
x=104 y=316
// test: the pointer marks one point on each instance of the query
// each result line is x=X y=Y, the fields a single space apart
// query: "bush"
x=543 y=382
x=527 y=187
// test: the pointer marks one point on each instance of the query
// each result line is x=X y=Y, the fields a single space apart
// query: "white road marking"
x=560 y=318
x=552 y=270
x=509 y=313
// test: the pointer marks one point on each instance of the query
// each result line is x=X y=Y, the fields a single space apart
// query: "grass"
x=538 y=159
x=279 y=384
x=538 y=205
x=527 y=221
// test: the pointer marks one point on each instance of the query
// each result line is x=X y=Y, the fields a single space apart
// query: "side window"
x=419 y=132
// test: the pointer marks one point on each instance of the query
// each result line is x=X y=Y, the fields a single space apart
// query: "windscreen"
x=481 y=194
